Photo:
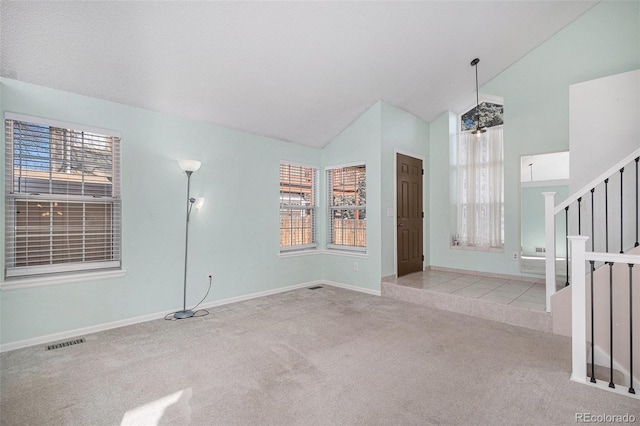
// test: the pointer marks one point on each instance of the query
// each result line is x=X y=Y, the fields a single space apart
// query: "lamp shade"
x=189 y=165
x=198 y=203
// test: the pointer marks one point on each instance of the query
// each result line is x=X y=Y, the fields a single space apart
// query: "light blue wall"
x=404 y=132
x=235 y=236
x=374 y=138
x=532 y=213
x=442 y=197
x=360 y=142
x=604 y=41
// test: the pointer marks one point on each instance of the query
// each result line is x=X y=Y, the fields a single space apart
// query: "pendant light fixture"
x=478 y=130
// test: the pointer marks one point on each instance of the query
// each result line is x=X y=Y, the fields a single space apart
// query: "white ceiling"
x=295 y=71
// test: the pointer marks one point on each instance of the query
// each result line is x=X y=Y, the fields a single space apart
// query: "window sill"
x=479 y=248
x=21 y=283
x=330 y=251
x=344 y=251
x=296 y=253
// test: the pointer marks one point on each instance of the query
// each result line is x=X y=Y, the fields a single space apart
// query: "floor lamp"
x=188 y=166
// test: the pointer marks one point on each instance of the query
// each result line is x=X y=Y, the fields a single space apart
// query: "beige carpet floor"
x=306 y=357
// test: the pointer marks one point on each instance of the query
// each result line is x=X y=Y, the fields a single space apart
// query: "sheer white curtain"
x=480 y=188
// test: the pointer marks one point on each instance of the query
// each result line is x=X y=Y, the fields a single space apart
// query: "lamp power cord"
x=203 y=312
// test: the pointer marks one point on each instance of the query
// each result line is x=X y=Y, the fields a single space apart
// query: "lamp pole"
x=184 y=313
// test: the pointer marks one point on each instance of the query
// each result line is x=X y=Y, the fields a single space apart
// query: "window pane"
x=347 y=202
x=49 y=160
x=296 y=227
x=348 y=228
x=49 y=233
x=349 y=186
x=298 y=200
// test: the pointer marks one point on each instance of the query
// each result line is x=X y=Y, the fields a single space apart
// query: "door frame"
x=422 y=158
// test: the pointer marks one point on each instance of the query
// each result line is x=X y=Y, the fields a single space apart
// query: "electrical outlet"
x=515 y=255
x=355 y=266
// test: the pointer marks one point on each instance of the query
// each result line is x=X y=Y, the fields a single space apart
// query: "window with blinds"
x=62 y=198
x=298 y=205
x=347 y=191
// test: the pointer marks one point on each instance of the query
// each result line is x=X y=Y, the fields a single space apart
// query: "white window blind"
x=347 y=192
x=298 y=205
x=62 y=199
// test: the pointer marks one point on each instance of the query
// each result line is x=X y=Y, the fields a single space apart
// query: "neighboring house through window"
x=62 y=198
x=480 y=178
x=347 y=202
x=298 y=205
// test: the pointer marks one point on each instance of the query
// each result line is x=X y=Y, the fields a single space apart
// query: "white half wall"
x=603 y=124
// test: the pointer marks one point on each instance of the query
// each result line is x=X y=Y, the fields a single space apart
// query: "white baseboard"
x=602 y=359
x=80 y=331
x=352 y=287
x=158 y=315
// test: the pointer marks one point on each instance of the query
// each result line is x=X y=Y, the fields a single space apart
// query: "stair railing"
x=576 y=203
x=579 y=256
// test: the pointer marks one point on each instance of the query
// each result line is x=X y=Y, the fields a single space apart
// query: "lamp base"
x=183 y=314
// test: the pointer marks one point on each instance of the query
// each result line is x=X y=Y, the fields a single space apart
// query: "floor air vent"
x=65 y=344
x=315 y=287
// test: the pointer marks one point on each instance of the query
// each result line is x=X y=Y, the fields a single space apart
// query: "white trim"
x=352 y=287
x=598 y=180
x=478 y=248
x=298 y=247
x=22 y=283
x=31 y=271
x=298 y=251
x=613 y=257
x=294 y=163
x=537 y=183
x=351 y=208
x=333 y=252
x=351 y=249
x=60 y=124
x=159 y=315
x=342 y=166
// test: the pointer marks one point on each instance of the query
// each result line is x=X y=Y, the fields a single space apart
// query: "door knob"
x=400 y=225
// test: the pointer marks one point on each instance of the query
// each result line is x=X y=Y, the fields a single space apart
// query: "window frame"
x=56 y=272
x=458 y=240
x=331 y=245
x=312 y=208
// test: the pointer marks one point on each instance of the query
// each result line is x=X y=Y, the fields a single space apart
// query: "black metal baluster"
x=606 y=215
x=621 y=210
x=593 y=220
x=579 y=217
x=566 y=242
x=637 y=243
x=593 y=359
x=611 y=385
x=631 y=389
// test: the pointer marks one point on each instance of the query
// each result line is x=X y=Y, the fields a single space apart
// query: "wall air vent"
x=65 y=344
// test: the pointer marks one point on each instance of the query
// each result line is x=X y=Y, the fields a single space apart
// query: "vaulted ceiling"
x=295 y=71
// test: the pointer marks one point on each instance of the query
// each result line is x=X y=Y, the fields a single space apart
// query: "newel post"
x=550 y=245
x=578 y=309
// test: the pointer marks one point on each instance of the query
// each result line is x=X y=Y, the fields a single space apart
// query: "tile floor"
x=521 y=294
